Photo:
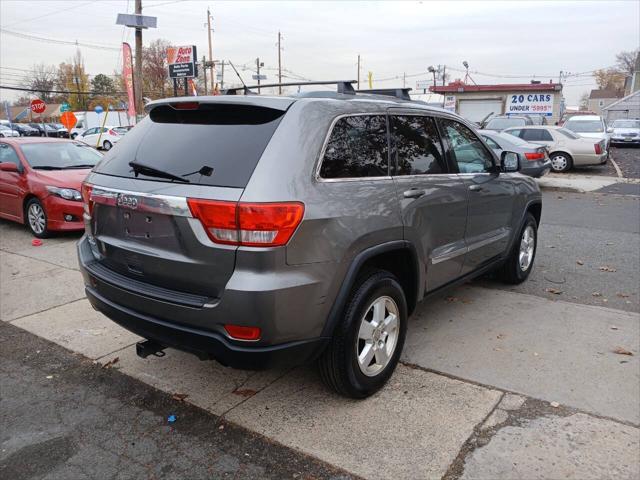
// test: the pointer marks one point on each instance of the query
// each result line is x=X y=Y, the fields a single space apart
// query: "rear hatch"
x=141 y=226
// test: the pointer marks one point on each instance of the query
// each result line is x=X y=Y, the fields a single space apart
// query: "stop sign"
x=38 y=106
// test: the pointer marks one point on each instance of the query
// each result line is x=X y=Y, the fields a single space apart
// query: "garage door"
x=476 y=110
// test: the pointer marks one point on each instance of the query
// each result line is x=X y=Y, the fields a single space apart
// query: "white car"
x=7 y=132
x=590 y=126
x=566 y=149
x=105 y=141
x=626 y=130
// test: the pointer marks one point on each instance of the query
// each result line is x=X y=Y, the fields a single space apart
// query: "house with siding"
x=599 y=99
x=627 y=107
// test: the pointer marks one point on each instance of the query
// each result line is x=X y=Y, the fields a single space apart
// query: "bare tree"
x=626 y=61
x=155 y=74
x=42 y=80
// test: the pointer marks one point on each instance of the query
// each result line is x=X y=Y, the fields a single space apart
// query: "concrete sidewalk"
x=580 y=183
x=448 y=410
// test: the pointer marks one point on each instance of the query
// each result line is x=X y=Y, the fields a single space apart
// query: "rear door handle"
x=414 y=193
x=475 y=188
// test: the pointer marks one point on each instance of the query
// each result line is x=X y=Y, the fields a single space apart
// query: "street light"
x=466 y=66
x=433 y=70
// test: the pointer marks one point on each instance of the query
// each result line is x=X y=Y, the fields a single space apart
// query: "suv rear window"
x=227 y=138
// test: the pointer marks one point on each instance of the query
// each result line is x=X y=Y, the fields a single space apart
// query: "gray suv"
x=266 y=230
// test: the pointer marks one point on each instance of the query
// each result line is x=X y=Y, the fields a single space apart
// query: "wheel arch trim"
x=352 y=274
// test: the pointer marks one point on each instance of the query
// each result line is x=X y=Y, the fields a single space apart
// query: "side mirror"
x=609 y=130
x=8 y=167
x=510 y=161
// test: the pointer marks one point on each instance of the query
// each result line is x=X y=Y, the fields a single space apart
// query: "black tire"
x=339 y=366
x=561 y=162
x=512 y=271
x=32 y=206
x=106 y=146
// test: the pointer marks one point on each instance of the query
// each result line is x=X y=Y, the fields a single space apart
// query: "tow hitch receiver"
x=149 y=347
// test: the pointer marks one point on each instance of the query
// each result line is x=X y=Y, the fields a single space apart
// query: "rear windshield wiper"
x=139 y=168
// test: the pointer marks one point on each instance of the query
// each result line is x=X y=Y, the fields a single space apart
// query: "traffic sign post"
x=38 y=107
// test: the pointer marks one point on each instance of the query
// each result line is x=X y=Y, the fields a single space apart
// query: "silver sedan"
x=534 y=159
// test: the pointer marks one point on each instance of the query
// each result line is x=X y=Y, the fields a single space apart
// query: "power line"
x=55 y=12
x=57 y=41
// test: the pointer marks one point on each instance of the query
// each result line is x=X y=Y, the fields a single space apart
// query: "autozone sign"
x=38 y=106
x=182 y=61
x=530 y=103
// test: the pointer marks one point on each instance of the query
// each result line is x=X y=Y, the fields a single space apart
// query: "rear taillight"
x=598 y=148
x=113 y=133
x=533 y=156
x=248 y=224
x=86 y=197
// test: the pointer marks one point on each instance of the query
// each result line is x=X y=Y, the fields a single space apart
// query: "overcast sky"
x=321 y=40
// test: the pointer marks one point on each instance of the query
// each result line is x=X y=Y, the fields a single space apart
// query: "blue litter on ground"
x=171 y=418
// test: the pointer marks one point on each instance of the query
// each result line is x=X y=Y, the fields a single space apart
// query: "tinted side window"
x=516 y=132
x=546 y=136
x=417 y=146
x=466 y=150
x=532 y=135
x=8 y=154
x=357 y=147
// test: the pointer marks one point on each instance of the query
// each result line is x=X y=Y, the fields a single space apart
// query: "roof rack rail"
x=402 y=93
x=344 y=86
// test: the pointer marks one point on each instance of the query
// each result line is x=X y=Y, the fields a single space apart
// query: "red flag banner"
x=127 y=75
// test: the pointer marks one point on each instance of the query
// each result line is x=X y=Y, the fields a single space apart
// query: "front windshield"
x=584 y=126
x=60 y=155
x=567 y=133
x=626 y=124
x=502 y=123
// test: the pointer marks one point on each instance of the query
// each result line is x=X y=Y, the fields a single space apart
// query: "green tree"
x=102 y=85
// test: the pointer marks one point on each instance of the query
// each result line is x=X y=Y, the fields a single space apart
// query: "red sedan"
x=40 y=181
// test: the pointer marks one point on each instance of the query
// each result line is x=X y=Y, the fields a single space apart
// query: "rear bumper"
x=291 y=326
x=204 y=344
x=625 y=140
x=536 y=169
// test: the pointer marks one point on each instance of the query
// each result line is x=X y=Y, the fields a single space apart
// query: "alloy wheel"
x=37 y=219
x=377 y=336
x=527 y=246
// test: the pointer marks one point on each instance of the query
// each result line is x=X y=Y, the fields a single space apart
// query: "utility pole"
x=137 y=79
x=258 y=72
x=404 y=79
x=204 y=73
x=212 y=75
x=279 y=63
x=222 y=76
x=444 y=74
x=358 y=71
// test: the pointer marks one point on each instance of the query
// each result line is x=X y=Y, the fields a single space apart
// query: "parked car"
x=566 y=149
x=107 y=139
x=537 y=119
x=590 y=126
x=6 y=132
x=265 y=230
x=534 y=159
x=40 y=183
x=625 y=131
x=501 y=122
x=25 y=130
x=45 y=129
x=61 y=129
x=122 y=130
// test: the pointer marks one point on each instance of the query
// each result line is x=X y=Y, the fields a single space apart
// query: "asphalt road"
x=64 y=417
x=588 y=251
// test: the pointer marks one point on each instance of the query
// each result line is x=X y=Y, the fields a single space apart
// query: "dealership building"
x=475 y=102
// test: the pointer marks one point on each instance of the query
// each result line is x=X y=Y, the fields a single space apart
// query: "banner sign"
x=530 y=103
x=182 y=62
x=422 y=84
x=127 y=76
x=450 y=103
